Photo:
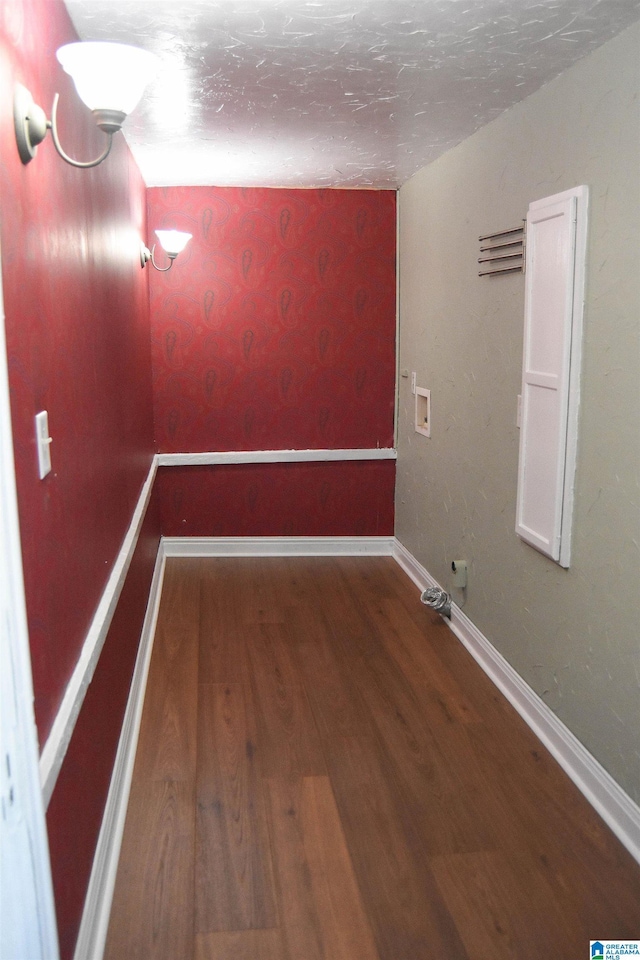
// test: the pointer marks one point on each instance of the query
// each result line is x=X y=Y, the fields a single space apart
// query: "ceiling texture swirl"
x=334 y=93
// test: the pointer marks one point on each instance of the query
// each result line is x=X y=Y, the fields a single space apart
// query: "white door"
x=554 y=299
x=27 y=917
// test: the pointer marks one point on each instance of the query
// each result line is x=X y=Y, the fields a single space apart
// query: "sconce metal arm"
x=31 y=127
x=153 y=261
x=53 y=126
x=147 y=255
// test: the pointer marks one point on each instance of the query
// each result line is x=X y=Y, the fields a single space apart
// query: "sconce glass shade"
x=173 y=242
x=108 y=76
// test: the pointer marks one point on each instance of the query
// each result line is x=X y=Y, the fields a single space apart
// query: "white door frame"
x=27 y=913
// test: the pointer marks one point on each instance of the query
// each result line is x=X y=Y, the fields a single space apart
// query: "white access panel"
x=554 y=298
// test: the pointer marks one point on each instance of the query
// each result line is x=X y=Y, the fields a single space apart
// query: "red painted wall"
x=276 y=328
x=76 y=304
x=351 y=499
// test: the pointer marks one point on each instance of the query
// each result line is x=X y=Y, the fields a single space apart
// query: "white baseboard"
x=278 y=546
x=616 y=808
x=55 y=748
x=97 y=907
x=95 y=918
x=604 y=794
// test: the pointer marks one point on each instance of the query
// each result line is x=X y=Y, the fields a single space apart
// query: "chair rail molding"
x=213 y=457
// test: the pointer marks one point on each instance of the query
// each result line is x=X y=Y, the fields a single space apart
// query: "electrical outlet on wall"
x=413 y=381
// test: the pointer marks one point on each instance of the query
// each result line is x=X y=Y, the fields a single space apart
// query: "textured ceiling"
x=348 y=93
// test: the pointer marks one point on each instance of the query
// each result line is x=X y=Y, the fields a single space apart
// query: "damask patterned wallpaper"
x=276 y=327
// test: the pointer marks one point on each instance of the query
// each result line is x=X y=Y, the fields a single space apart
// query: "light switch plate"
x=43 y=443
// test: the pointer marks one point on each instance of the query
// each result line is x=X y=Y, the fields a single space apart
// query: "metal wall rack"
x=506 y=249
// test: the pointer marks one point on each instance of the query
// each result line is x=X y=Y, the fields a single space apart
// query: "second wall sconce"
x=110 y=79
x=172 y=242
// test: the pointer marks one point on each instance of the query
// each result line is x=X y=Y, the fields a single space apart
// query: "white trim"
x=575 y=371
x=26 y=892
x=55 y=748
x=396 y=405
x=550 y=389
x=277 y=546
x=97 y=906
x=414 y=570
x=604 y=794
x=272 y=456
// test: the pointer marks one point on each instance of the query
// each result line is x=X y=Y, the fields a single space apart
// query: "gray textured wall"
x=573 y=635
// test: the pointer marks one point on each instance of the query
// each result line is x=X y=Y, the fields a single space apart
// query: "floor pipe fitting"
x=439 y=600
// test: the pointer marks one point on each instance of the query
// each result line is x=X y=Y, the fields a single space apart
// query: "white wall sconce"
x=110 y=79
x=172 y=242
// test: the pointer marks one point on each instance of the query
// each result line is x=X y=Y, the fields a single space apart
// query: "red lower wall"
x=344 y=499
x=75 y=812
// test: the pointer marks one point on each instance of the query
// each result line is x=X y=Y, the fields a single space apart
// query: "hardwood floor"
x=324 y=773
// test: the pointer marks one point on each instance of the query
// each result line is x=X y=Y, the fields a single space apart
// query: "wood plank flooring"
x=324 y=773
